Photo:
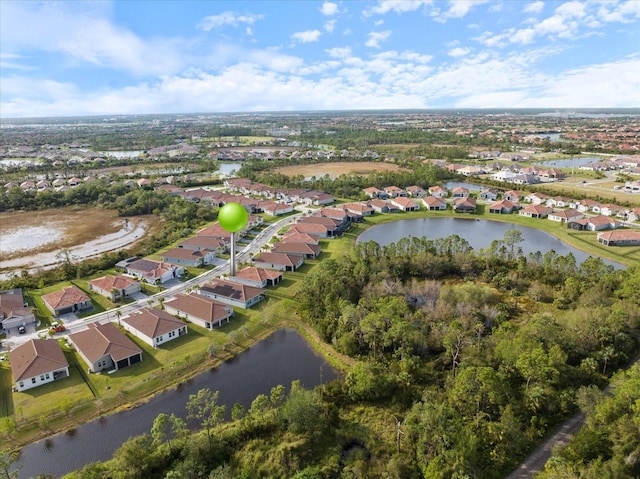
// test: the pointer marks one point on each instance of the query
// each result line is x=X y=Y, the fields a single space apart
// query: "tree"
x=7 y=459
x=203 y=407
x=166 y=428
x=512 y=237
x=302 y=410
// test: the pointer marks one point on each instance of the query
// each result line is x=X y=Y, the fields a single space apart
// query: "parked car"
x=56 y=327
x=22 y=330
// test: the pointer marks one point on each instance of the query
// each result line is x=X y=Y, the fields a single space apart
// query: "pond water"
x=479 y=234
x=551 y=136
x=15 y=162
x=29 y=237
x=461 y=184
x=279 y=359
x=568 y=162
x=228 y=168
x=121 y=154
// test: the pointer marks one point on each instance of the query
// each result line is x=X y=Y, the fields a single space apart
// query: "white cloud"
x=307 y=36
x=397 y=6
x=571 y=9
x=226 y=18
x=339 y=52
x=329 y=8
x=619 y=12
x=458 y=52
x=534 y=7
x=329 y=26
x=81 y=33
x=457 y=9
x=374 y=38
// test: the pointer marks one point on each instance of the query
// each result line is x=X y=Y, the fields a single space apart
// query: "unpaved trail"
x=535 y=461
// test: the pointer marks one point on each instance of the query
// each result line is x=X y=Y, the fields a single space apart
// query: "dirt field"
x=336 y=169
x=35 y=237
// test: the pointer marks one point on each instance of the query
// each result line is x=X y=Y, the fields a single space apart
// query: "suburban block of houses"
x=104 y=347
x=199 y=309
x=37 y=362
x=70 y=299
x=154 y=326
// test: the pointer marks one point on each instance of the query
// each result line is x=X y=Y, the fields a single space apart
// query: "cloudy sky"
x=87 y=58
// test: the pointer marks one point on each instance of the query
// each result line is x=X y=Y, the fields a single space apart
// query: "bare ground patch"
x=35 y=237
x=336 y=169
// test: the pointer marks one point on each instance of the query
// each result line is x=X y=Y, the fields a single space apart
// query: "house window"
x=42 y=377
x=21 y=384
x=47 y=376
x=33 y=380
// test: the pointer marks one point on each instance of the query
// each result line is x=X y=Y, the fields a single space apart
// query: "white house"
x=199 y=309
x=37 y=362
x=154 y=326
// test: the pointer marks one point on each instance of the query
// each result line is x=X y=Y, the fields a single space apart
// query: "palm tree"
x=118 y=314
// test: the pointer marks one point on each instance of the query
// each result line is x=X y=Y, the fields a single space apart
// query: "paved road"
x=243 y=255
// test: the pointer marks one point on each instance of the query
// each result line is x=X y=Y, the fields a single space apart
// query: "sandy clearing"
x=336 y=169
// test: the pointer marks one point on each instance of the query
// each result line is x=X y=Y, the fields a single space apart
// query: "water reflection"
x=479 y=233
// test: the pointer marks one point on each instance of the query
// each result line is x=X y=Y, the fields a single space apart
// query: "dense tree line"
x=344 y=186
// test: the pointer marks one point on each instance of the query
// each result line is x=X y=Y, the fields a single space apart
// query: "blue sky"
x=126 y=57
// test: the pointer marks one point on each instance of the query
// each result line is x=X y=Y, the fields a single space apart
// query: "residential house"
x=470 y=170
x=114 y=287
x=314 y=229
x=199 y=309
x=382 y=206
x=619 y=238
x=231 y=293
x=536 y=198
x=188 y=257
x=565 y=216
x=37 y=362
x=278 y=261
x=405 y=204
x=536 y=211
x=438 y=191
x=595 y=223
x=104 y=347
x=335 y=227
x=394 y=191
x=70 y=299
x=208 y=243
x=464 y=205
x=587 y=205
x=357 y=208
x=154 y=271
x=488 y=194
x=14 y=311
x=154 y=326
x=460 y=192
x=503 y=207
x=257 y=277
x=559 y=202
x=273 y=208
x=612 y=210
x=513 y=195
x=552 y=174
x=434 y=203
x=416 y=191
x=216 y=231
x=308 y=251
x=297 y=237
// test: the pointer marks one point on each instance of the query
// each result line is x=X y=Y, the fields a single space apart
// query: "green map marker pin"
x=233 y=217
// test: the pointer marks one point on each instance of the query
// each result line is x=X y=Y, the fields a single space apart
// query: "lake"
x=568 y=162
x=479 y=234
x=121 y=154
x=462 y=184
x=279 y=359
x=228 y=168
